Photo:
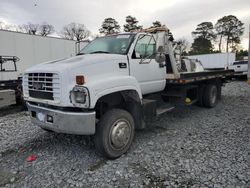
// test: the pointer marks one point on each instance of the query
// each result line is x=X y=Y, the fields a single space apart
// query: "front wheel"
x=114 y=134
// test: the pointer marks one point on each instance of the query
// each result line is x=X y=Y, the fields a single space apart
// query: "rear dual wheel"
x=210 y=96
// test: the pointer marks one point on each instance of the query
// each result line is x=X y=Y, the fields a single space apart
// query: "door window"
x=145 y=47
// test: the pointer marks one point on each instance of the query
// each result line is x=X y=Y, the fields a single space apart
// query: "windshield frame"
x=125 y=53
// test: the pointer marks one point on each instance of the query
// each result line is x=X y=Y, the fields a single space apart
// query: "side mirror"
x=160 y=49
x=160 y=56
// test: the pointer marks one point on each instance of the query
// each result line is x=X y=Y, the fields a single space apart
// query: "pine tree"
x=204 y=30
x=131 y=24
x=156 y=24
x=231 y=28
x=109 y=26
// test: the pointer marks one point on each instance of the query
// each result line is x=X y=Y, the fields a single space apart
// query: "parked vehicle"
x=117 y=84
x=248 y=74
x=240 y=67
x=10 y=90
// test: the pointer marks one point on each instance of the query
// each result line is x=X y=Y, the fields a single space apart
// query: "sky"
x=180 y=16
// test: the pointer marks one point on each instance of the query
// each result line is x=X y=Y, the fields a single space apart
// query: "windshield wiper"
x=96 y=52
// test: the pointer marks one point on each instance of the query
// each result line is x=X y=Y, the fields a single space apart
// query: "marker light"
x=80 y=79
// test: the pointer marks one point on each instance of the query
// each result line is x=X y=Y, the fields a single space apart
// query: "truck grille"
x=43 y=85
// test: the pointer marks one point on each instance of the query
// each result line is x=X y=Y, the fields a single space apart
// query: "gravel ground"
x=188 y=147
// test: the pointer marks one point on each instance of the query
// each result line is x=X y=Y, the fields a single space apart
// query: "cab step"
x=151 y=109
x=163 y=109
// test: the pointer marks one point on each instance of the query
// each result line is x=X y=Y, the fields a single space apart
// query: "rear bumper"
x=81 y=123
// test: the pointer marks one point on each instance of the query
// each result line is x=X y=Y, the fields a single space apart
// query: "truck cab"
x=240 y=67
x=114 y=85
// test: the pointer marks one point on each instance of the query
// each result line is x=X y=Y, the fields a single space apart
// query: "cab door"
x=143 y=66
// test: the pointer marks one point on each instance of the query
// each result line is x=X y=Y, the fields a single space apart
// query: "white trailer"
x=216 y=60
x=30 y=50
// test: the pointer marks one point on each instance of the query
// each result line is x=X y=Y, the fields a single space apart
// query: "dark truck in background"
x=10 y=89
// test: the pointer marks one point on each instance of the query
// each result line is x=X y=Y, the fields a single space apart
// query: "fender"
x=99 y=88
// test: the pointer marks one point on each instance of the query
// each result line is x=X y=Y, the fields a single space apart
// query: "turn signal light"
x=80 y=79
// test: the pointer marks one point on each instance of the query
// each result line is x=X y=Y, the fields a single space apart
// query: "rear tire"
x=114 y=134
x=210 y=97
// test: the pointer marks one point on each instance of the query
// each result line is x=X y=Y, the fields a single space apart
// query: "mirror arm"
x=143 y=59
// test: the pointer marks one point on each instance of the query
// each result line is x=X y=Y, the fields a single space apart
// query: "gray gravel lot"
x=188 y=147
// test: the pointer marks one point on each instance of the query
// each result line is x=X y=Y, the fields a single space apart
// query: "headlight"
x=79 y=96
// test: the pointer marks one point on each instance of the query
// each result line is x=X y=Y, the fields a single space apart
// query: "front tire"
x=114 y=134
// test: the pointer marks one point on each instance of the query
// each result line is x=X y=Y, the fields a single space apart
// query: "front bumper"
x=81 y=123
x=240 y=73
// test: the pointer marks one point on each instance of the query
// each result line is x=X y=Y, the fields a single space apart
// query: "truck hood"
x=76 y=62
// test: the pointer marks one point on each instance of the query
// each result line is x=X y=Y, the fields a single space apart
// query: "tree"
x=75 y=31
x=231 y=28
x=183 y=43
x=29 y=28
x=156 y=24
x=109 y=26
x=203 y=35
x=204 y=30
x=241 y=53
x=131 y=24
x=201 y=46
x=67 y=32
x=46 y=29
x=219 y=33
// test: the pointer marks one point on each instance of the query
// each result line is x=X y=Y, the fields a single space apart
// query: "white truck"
x=240 y=67
x=115 y=85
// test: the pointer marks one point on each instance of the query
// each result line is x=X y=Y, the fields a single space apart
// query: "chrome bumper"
x=240 y=73
x=81 y=123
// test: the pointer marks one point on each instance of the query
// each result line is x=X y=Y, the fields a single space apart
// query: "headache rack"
x=8 y=59
x=152 y=30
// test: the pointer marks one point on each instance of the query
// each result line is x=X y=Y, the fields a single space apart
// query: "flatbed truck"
x=117 y=84
x=10 y=89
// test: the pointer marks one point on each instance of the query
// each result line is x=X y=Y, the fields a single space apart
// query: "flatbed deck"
x=200 y=76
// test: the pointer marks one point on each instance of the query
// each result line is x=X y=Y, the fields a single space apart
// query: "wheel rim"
x=213 y=95
x=120 y=134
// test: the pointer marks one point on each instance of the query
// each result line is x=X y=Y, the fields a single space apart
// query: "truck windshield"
x=115 y=44
x=240 y=63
